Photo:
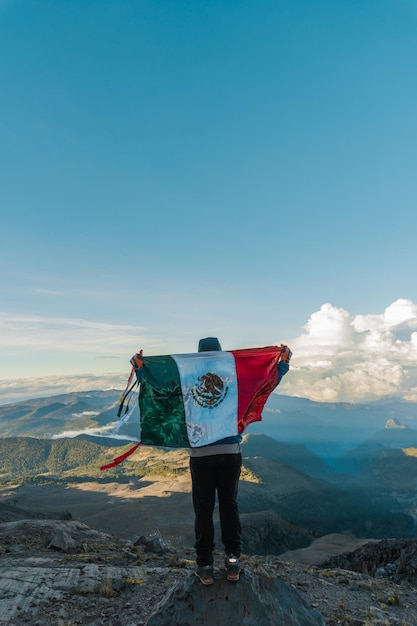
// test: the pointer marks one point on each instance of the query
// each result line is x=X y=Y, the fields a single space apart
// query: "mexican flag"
x=192 y=400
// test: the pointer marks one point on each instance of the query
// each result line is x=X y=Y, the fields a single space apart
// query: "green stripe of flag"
x=161 y=396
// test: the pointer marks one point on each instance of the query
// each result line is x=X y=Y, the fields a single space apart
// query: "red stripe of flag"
x=257 y=375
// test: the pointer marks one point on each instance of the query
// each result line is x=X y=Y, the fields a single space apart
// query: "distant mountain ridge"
x=330 y=429
x=394 y=437
x=327 y=429
x=316 y=438
x=49 y=417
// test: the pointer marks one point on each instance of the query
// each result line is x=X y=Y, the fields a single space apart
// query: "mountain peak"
x=394 y=423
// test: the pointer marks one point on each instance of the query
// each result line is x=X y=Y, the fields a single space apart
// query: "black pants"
x=210 y=474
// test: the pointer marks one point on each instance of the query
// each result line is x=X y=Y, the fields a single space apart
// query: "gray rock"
x=151 y=544
x=63 y=541
x=256 y=600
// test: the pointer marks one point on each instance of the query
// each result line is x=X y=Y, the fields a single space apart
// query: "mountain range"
x=309 y=469
x=328 y=429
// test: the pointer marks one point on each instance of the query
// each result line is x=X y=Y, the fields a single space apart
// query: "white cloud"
x=328 y=327
x=401 y=312
x=337 y=357
x=13 y=390
x=99 y=431
x=340 y=357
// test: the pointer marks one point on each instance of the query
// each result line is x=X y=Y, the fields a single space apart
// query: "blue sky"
x=245 y=169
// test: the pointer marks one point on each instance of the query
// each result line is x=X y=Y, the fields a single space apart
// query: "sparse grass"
x=370 y=614
x=393 y=599
x=135 y=581
x=327 y=573
x=106 y=590
x=343 y=616
x=373 y=620
x=345 y=620
x=364 y=584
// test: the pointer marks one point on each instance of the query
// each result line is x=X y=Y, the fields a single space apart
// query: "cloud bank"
x=338 y=357
x=345 y=358
x=46 y=386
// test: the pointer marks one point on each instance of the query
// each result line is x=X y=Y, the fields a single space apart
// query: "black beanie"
x=209 y=344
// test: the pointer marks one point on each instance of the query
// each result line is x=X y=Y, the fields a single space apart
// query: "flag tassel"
x=121 y=458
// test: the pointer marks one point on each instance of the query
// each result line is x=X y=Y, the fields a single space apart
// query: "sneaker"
x=205 y=574
x=232 y=567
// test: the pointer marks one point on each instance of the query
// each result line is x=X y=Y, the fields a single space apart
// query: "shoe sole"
x=232 y=577
x=207 y=581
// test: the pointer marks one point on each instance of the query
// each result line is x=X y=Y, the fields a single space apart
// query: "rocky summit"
x=255 y=599
x=60 y=572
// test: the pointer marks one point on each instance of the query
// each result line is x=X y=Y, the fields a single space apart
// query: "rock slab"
x=255 y=600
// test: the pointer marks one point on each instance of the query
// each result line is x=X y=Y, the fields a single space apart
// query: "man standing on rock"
x=216 y=468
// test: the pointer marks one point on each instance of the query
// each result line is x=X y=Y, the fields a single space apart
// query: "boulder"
x=62 y=541
x=152 y=544
x=255 y=600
